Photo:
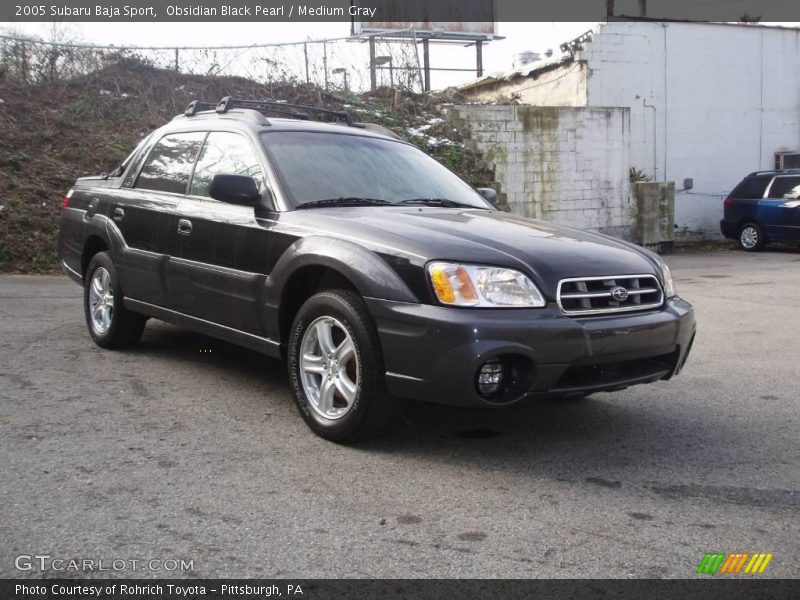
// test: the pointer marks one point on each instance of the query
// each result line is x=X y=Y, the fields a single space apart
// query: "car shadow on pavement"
x=562 y=439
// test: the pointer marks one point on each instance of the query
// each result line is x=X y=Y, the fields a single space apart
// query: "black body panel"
x=225 y=269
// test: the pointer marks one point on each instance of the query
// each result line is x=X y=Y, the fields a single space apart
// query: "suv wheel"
x=110 y=324
x=336 y=368
x=751 y=237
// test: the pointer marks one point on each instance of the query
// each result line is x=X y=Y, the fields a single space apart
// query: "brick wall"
x=563 y=164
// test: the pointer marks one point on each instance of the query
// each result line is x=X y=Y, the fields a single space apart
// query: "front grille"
x=612 y=294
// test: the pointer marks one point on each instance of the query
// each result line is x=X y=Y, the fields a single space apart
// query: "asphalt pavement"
x=187 y=448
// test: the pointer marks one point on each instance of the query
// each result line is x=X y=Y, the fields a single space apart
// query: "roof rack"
x=293 y=111
x=774 y=171
x=195 y=106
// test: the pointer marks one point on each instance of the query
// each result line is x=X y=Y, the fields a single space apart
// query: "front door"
x=206 y=277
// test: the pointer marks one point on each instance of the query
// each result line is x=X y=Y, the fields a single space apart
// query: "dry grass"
x=56 y=132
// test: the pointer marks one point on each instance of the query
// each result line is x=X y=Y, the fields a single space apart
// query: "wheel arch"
x=316 y=263
x=301 y=285
x=749 y=219
x=93 y=245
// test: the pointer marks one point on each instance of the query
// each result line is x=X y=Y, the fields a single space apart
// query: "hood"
x=544 y=250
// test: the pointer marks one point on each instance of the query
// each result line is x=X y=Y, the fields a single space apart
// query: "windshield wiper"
x=437 y=202
x=343 y=201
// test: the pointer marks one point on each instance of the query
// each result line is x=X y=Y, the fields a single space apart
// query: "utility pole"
x=426 y=64
x=372 y=75
x=479 y=57
x=325 y=62
x=305 y=53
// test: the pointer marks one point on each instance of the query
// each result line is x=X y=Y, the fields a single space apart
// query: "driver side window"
x=225 y=152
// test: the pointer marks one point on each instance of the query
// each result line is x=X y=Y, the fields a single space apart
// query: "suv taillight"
x=67 y=196
x=727 y=202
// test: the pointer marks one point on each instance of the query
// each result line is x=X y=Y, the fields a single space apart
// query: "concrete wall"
x=724 y=99
x=562 y=86
x=655 y=214
x=562 y=164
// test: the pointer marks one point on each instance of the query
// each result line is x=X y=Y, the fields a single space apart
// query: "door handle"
x=184 y=226
x=119 y=214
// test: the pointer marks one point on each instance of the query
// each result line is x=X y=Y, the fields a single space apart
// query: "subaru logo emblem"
x=619 y=293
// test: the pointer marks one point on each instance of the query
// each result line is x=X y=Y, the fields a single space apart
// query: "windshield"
x=332 y=168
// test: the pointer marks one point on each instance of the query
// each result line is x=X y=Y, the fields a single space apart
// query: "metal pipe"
x=655 y=160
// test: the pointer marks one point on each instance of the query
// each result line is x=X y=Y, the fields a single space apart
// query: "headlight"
x=669 y=285
x=471 y=285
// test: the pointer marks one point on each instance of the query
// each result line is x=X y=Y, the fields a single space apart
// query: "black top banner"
x=403 y=13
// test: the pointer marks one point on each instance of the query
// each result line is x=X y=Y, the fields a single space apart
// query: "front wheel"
x=336 y=368
x=110 y=324
x=751 y=237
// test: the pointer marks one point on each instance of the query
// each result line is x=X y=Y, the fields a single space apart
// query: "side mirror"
x=490 y=195
x=234 y=189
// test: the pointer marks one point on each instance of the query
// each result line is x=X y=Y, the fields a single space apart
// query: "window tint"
x=225 y=153
x=134 y=161
x=169 y=165
x=321 y=166
x=752 y=187
x=785 y=187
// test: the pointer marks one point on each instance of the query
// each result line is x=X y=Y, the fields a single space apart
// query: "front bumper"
x=433 y=353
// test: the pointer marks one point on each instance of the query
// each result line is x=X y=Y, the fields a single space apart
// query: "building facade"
x=708 y=102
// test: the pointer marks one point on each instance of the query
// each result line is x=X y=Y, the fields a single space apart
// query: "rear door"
x=207 y=276
x=143 y=210
x=781 y=209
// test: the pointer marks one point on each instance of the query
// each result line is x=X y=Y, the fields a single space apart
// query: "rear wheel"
x=110 y=324
x=751 y=237
x=336 y=368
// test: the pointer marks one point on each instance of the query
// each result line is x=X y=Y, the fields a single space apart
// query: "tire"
x=751 y=237
x=340 y=390
x=114 y=328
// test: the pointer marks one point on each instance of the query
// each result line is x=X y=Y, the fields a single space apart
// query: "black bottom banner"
x=433 y=589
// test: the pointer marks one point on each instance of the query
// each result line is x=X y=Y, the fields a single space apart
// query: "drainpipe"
x=666 y=100
x=655 y=147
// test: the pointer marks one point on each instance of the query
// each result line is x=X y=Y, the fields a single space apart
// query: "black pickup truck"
x=370 y=268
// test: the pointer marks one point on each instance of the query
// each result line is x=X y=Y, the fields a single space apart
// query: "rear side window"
x=134 y=161
x=225 y=152
x=169 y=165
x=785 y=187
x=752 y=187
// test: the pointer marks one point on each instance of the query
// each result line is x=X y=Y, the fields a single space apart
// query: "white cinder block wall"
x=562 y=164
x=721 y=100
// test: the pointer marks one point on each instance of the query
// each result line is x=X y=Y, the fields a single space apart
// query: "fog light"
x=491 y=377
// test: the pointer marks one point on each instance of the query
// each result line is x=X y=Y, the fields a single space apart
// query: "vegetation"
x=55 y=131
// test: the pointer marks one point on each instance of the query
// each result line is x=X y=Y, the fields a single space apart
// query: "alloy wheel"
x=329 y=367
x=749 y=237
x=101 y=300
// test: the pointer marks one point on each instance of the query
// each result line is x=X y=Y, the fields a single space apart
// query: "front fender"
x=368 y=272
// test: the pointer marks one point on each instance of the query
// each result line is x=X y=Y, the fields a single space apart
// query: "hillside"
x=56 y=132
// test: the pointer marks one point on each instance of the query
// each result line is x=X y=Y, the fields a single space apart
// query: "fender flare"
x=368 y=272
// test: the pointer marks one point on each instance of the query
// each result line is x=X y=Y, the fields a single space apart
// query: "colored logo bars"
x=740 y=562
